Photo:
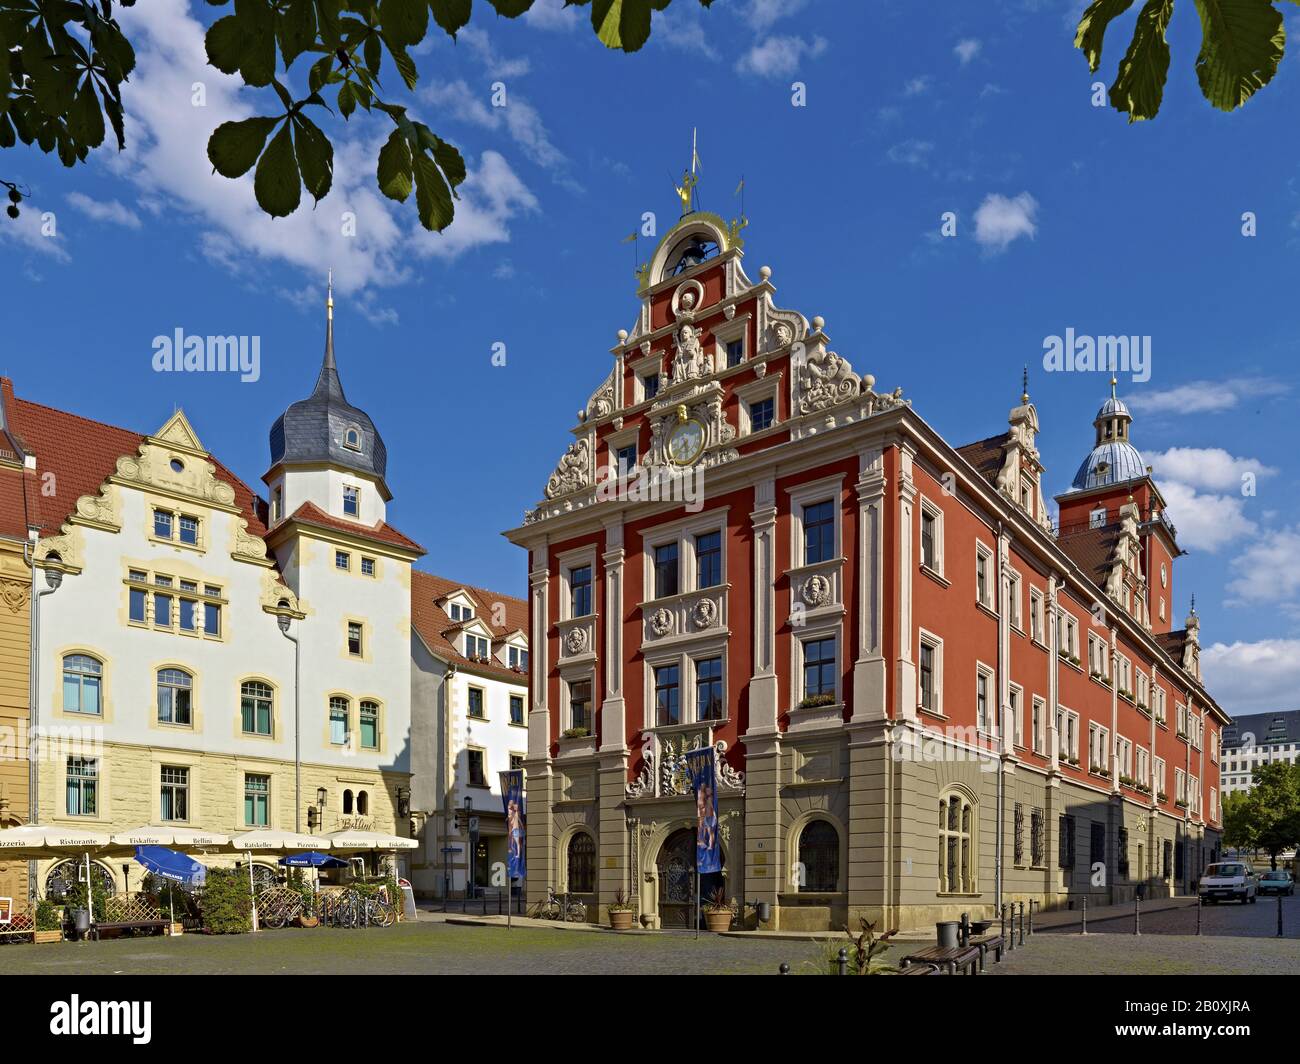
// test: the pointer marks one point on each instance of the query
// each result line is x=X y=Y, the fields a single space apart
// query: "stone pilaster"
x=762 y=685
x=1053 y=672
x=905 y=708
x=869 y=669
x=612 y=846
x=538 y=777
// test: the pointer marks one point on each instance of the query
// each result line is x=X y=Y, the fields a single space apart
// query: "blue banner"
x=512 y=800
x=702 y=769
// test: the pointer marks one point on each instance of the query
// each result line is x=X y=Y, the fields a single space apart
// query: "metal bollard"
x=843 y=961
x=963 y=931
x=1137 y=915
x=784 y=969
x=1010 y=934
x=1085 y=915
x=1279 y=914
x=1002 y=920
x=1022 y=923
x=1031 y=917
x=1198 y=913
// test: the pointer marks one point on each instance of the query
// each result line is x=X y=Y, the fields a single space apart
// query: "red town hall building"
x=924 y=697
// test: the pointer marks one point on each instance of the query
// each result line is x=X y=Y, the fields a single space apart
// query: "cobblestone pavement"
x=1231 y=918
x=415 y=948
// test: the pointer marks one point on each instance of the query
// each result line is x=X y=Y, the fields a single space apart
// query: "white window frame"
x=569 y=562
x=827 y=489
x=1037 y=616
x=1015 y=611
x=984 y=595
x=931 y=640
x=1039 y=706
x=1016 y=701
x=934 y=511
x=684 y=534
x=989 y=725
x=1098 y=737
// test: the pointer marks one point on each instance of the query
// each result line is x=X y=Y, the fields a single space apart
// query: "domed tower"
x=327 y=452
x=1113 y=516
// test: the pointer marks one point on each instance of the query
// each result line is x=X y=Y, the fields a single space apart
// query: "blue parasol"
x=171 y=865
x=312 y=859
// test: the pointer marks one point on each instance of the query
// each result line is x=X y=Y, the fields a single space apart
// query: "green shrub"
x=227 y=902
x=49 y=916
x=76 y=898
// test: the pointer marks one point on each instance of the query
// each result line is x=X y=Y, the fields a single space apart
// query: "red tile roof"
x=435 y=627
x=986 y=456
x=311 y=514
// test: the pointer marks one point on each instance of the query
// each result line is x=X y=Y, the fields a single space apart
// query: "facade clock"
x=686 y=442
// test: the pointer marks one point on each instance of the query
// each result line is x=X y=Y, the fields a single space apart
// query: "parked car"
x=1227 y=880
x=1279 y=882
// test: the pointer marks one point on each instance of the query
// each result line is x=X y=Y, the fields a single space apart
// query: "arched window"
x=819 y=856
x=255 y=707
x=369 y=725
x=956 y=844
x=82 y=680
x=363 y=803
x=339 y=707
x=352 y=438
x=582 y=863
x=347 y=803
x=175 y=691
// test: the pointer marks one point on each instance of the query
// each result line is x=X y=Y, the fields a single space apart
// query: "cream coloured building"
x=167 y=668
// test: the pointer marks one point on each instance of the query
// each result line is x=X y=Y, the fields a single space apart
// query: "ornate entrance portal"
x=676 y=864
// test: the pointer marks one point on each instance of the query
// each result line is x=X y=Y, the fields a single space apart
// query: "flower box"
x=47 y=936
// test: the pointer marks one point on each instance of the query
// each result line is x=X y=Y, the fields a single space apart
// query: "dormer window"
x=351 y=500
x=517 y=658
x=475 y=646
x=352 y=438
x=461 y=613
x=1097 y=519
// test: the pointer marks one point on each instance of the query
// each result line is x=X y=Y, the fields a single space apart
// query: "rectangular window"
x=162 y=524
x=929 y=675
x=212 y=618
x=1040 y=715
x=1036 y=615
x=83 y=786
x=342 y=560
x=708 y=689
x=367 y=566
x=477 y=769
x=189 y=530
x=369 y=725
x=138 y=605
x=983 y=684
x=516 y=709
x=735 y=352
x=255 y=708
x=1065 y=830
x=761 y=415
x=476 y=647
x=187 y=612
x=475 y=702
x=667 y=695
x=351 y=500
x=174 y=799
x=1098 y=753
x=580 y=592
x=339 y=721
x=162 y=610
x=175 y=688
x=580 y=704
x=517 y=657
x=819 y=668
x=516 y=761
x=1013 y=600
x=708 y=560
x=818 y=532
x=930 y=539
x=625 y=459
x=354 y=638
x=257 y=801
x=1097 y=844
x=1037 y=842
x=1016 y=703
x=983 y=580
x=650 y=385
x=665 y=560
x=277 y=503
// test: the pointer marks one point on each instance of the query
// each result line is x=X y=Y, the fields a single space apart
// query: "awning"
x=172 y=837
x=313 y=859
x=37 y=842
x=172 y=865
x=369 y=840
x=267 y=841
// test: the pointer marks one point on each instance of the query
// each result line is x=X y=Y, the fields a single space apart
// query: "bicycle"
x=570 y=911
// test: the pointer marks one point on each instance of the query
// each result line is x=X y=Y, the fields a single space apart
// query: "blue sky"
x=1067 y=217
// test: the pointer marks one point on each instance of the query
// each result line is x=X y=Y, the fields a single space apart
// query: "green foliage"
x=1267 y=817
x=76 y=898
x=227 y=901
x=1242 y=43
x=62 y=65
x=49 y=916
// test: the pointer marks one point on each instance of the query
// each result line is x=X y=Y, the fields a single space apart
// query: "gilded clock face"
x=686 y=442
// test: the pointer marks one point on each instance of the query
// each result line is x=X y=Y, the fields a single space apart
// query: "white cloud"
x=1249 y=677
x=1211 y=468
x=104 y=210
x=1207 y=397
x=1266 y=573
x=911 y=153
x=1205 y=521
x=999 y=220
x=779 y=57
x=29 y=230
x=763 y=14
x=674 y=28
x=166 y=157
x=916 y=86
x=552 y=15
x=495 y=65
x=966 y=50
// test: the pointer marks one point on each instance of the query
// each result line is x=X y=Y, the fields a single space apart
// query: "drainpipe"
x=445 y=784
x=53 y=578
x=283 y=621
x=1001 y=726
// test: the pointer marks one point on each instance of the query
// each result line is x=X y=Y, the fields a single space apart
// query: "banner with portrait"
x=512 y=800
x=702 y=769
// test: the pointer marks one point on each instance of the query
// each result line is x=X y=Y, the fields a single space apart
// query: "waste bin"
x=81 y=922
x=946 y=933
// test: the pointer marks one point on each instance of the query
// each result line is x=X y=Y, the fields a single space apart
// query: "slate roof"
x=312 y=429
x=438 y=630
x=1280 y=727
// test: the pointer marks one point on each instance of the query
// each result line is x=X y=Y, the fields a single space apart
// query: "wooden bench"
x=950 y=957
x=984 y=943
x=117 y=927
x=921 y=969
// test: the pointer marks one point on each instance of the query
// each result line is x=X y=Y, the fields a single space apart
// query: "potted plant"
x=718 y=912
x=816 y=701
x=620 y=912
x=574 y=733
x=49 y=921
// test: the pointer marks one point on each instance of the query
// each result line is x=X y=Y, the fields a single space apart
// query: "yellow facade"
x=15 y=650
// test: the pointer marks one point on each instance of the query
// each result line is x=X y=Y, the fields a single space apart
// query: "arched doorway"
x=62 y=878
x=676 y=867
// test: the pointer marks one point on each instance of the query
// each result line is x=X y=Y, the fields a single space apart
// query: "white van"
x=1226 y=880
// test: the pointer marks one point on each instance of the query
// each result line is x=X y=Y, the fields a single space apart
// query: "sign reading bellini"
x=840 y=581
